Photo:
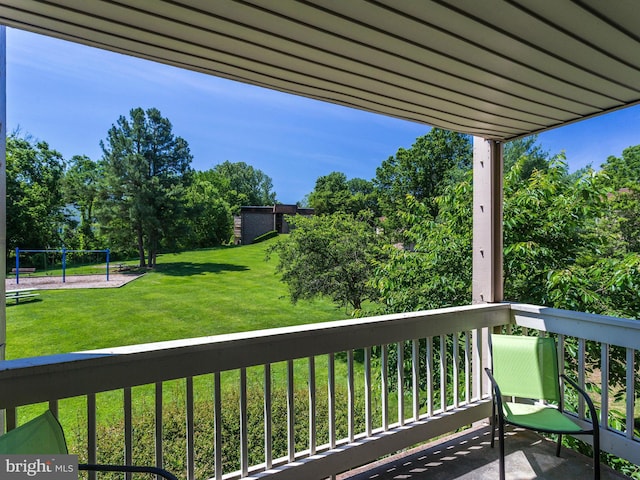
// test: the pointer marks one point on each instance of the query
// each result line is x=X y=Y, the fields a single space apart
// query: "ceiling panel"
x=499 y=69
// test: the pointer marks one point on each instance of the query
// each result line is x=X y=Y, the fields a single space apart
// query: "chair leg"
x=501 y=442
x=559 y=445
x=596 y=457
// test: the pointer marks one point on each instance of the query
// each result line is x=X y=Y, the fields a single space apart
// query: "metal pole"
x=17 y=265
x=64 y=264
x=107 y=264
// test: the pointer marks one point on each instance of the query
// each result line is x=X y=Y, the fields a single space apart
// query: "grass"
x=190 y=294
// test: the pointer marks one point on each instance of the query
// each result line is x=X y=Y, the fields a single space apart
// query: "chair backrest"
x=41 y=435
x=526 y=367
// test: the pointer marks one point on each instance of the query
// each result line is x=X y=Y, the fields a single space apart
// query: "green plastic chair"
x=526 y=368
x=44 y=435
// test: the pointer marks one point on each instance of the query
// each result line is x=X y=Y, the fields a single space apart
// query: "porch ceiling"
x=498 y=69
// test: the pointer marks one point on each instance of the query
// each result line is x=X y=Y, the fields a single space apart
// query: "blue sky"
x=70 y=95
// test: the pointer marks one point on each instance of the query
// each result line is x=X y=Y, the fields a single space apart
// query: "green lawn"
x=190 y=294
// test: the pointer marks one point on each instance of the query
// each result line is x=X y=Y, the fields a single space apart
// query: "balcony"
x=371 y=387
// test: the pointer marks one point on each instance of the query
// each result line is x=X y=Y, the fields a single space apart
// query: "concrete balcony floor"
x=469 y=456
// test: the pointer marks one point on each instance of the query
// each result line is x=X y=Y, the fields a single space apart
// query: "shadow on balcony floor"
x=469 y=456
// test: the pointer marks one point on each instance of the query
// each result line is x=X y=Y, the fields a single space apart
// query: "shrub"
x=111 y=433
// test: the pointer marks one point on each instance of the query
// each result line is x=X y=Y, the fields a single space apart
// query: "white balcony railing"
x=408 y=378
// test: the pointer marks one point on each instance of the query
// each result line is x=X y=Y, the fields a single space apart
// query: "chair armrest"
x=128 y=468
x=587 y=398
x=497 y=396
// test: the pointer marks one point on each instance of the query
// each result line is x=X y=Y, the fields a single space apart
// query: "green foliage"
x=333 y=193
x=623 y=172
x=332 y=256
x=209 y=219
x=434 y=270
x=265 y=236
x=241 y=184
x=527 y=154
x=548 y=221
x=146 y=170
x=111 y=434
x=436 y=160
x=34 y=197
x=81 y=189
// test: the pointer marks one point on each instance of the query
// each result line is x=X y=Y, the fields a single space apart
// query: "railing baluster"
x=128 y=430
x=92 y=438
x=477 y=371
x=456 y=370
x=560 y=354
x=244 y=430
x=367 y=390
x=312 y=405
x=11 y=418
x=631 y=393
x=415 y=375
x=331 y=374
x=291 y=442
x=384 y=387
x=159 y=450
x=268 y=442
x=581 y=374
x=351 y=395
x=604 y=385
x=400 y=387
x=443 y=372
x=217 y=425
x=53 y=406
x=429 y=366
x=190 y=424
x=467 y=367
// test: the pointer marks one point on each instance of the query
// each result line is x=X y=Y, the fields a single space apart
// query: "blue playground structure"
x=64 y=252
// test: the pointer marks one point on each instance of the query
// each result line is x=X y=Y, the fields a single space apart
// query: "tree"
x=334 y=193
x=244 y=185
x=34 y=197
x=81 y=188
x=329 y=255
x=625 y=171
x=436 y=160
x=210 y=220
x=527 y=153
x=433 y=269
x=146 y=171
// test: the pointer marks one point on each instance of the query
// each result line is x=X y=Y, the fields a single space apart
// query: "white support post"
x=487 y=221
x=3 y=188
x=487 y=286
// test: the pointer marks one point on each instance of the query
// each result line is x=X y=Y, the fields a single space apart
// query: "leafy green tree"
x=622 y=176
x=624 y=171
x=527 y=153
x=34 y=197
x=330 y=255
x=146 y=169
x=81 y=189
x=549 y=224
x=436 y=160
x=433 y=269
x=334 y=193
x=210 y=220
x=241 y=184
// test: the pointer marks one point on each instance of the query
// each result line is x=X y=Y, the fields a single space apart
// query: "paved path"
x=71 y=281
